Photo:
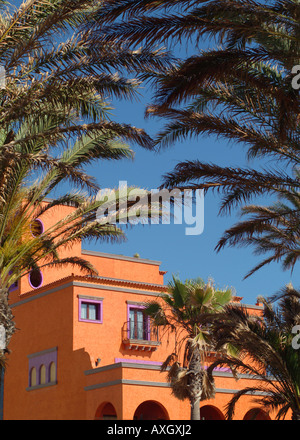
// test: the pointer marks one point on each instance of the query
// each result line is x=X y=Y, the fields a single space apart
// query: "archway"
x=106 y=411
x=256 y=414
x=210 y=412
x=150 y=410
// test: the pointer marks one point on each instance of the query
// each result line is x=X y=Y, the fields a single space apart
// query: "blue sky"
x=180 y=254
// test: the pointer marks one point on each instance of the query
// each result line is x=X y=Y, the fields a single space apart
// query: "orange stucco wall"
x=48 y=318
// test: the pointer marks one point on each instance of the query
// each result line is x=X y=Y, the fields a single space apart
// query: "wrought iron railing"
x=139 y=331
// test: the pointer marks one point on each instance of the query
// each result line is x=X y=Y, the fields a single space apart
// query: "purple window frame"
x=140 y=307
x=99 y=304
x=36 y=287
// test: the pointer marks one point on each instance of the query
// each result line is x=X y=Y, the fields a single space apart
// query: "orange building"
x=84 y=349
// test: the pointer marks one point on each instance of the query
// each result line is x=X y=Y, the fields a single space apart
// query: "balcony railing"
x=140 y=336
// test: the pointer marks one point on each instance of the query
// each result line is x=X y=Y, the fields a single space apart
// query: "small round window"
x=37 y=227
x=35 y=278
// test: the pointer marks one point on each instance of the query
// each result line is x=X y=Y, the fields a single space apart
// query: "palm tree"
x=22 y=201
x=267 y=352
x=54 y=120
x=242 y=91
x=245 y=31
x=54 y=71
x=272 y=230
x=183 y=310
x=250 y=117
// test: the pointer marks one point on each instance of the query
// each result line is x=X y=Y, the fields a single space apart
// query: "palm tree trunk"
x=7 y=325
x=195 y=383
x=7 y=329
x=1 y=391
x=195 y=409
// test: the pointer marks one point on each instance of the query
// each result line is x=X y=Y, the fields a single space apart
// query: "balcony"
x=140 y=336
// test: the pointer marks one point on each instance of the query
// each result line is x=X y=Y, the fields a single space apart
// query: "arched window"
x=52 y=372
x=33 y=377
x=151 y=410
x=42 y=374
x=256 y=414
x=210 y=412
x=106 y=411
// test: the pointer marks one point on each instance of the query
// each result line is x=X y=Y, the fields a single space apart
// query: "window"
x=42 y=374
x=35 y=278
x=90 y=309
x=139 y=323
x=42 y=368
x=32 y=377
x=138 y=333
x=36 y=227
x=52 y=372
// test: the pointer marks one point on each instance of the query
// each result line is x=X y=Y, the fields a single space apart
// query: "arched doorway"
x=106 y=411
x=150 y=410
x=256 y=414
x=210 y=412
